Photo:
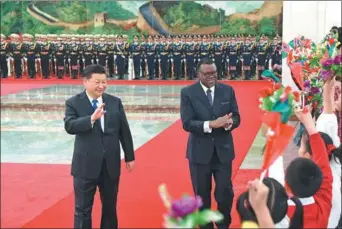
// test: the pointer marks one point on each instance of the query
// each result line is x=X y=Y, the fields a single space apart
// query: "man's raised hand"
x=98 y=113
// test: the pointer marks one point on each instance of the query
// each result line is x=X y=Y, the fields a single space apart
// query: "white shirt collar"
x=205 y=88
x=91 y=99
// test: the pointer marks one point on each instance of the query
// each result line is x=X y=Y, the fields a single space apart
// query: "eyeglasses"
x=208 y=74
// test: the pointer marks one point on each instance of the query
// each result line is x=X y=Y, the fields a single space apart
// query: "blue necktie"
x=210 y=98
x=94 y=104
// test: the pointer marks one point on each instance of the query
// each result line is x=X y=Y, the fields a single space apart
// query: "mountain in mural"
x=149 y=17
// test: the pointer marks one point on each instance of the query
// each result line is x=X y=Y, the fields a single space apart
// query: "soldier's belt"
x=164 y=53
x=232 y=53
x=44 y=53
x=136 y=53
x=218 y=53
x=16 y=52
x=204 y=53
x=30 y=53
x=110 y=52
x=2 y=52
x=246 y=53
x=190 y=53
x=176 y=53
x=150 y=53
x=120 y=53
x=73 y=53
x=88 y=53
x=102 y=54
x=261 y=53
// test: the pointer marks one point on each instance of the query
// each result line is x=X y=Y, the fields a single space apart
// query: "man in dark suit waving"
x=99 y=122
x=209 y=111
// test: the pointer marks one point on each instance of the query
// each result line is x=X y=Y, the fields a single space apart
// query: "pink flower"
x=338 y=59
x=327 y=63
x=185 y=206
x=326 y=74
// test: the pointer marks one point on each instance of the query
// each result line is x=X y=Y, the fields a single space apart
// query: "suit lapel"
x=218 y=94
x=104 y=100
x=86 y=103
x=202 y=96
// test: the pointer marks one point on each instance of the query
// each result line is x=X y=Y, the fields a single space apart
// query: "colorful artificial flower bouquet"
x=279 y=99
x=184 y=212
x=328 y=59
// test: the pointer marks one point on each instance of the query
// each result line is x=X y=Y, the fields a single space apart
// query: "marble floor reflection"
x=32 y=121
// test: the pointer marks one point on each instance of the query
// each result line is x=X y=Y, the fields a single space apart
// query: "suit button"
x=212 y=139
x=104 y=151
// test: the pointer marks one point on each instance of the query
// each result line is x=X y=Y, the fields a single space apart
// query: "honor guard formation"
x=145 y=57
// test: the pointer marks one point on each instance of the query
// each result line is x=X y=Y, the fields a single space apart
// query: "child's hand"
x=258 y=193
x=305 y=117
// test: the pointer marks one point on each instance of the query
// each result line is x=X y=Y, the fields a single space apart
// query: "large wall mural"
x=148 y=17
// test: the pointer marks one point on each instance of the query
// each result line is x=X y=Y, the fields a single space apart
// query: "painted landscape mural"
x=142 y=17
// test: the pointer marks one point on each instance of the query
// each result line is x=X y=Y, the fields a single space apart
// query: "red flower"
x=265 y=92
x=277 y=86
x=296 y=96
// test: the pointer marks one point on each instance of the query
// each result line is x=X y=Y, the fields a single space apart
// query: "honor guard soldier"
x=276 y=57
x=164 y=56
x=157 y=62
x=261 y=53
x=74 y=57
x=232 y=51
x=60 y=53
x=135 y=51
x=4 y=52
x=143 y=57
x=205 y=48
x=45 y=55
x=81 y=48
x=32 y=57
x=120 y=52
x=190 y=51
x=177 y=53
x=102 y=52
x=151 y=57
x=218 y=50
x=247 y=53
x=126 y=42
x=16 y=54
x=110 y=56
x=88 y=52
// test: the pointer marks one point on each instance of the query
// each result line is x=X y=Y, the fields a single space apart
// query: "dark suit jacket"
x=92 y=145
x=195 y=110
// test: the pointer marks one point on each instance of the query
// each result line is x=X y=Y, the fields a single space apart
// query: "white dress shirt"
x=99 y=102
x=206 y=126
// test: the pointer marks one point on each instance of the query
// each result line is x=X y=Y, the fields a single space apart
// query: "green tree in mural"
x=267 y=26
x=238 y=26
x=188 y=13
x=76 y=12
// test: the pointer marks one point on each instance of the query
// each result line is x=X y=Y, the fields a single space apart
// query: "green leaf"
x=188 y=222
x=213 y=216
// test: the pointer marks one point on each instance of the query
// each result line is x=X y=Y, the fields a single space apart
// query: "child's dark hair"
x=333 y=152
x=276 y=203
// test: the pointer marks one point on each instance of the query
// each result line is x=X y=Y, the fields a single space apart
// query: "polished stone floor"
x=32 y=128
x=32 y=121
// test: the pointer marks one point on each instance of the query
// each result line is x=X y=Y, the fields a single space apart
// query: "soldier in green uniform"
x=16 y=54
x=4 y=52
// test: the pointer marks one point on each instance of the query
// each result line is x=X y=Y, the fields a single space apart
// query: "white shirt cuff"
x=206 y=127
x=92 y=123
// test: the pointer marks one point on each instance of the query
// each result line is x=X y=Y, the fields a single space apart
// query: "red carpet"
x=158 y=161
x=139 y=202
